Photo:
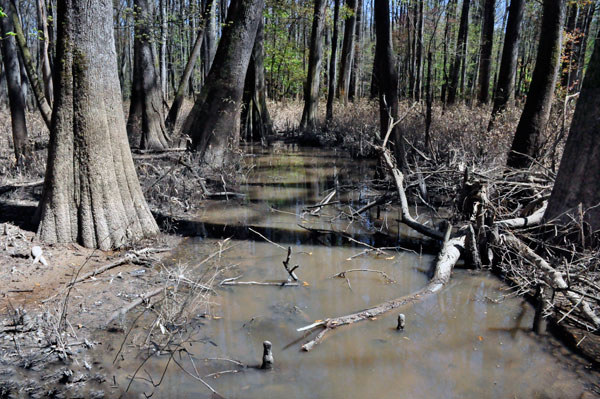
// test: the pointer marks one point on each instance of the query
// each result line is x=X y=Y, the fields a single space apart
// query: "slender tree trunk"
x=387 y=81
x=589 y=16
x=333 y=61
x=568 y=56
x=419 y=37
x=91 y=192
x=311 y=89
x=461 y=52
x=487 y=42
x=506 y=76
x=450 y=15
x=13 y=85
x=43 y=50
x=347 y=53
x=429 y=101
x=210 y=39
x=146 y=118
x=189 y=67
x=579 y=172
x=214 y=122
x=164 y=32
x=27 y=59
x=534 y=118
x=354 y=90
x=255 y=114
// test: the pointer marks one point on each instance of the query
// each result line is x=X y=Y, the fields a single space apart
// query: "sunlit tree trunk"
x=91 y=192
x=461 y=52
x=333 y=61
x=505 y=86
x=311 y=89
x=146 y=116
x=214 y=122
x=347 y=53
x=12 y=72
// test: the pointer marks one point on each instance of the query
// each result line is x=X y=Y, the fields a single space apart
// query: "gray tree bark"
x=528 y=137
x=255 y=114
x=311 y=89
x=461 y=52
x=146 y=117
x=91 y=192
x=333 y=61
x=214 y=122
x=505 y=87
x=347 y=53
x=13 y=84
x=579 y=171
x=487 y=42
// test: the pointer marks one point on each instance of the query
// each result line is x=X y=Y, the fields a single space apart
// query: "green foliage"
x=2 y=13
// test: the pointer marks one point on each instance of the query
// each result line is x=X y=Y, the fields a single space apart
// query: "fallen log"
x=14 y=186
x=143 y=298
x=534 y=219
x=447 y=258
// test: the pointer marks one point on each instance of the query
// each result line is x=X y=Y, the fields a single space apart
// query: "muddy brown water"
x=470 y=341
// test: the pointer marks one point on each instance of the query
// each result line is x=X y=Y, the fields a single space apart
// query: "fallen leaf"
x=37 y=284
x=390 y=258
x=480 y=338
x=305 y=284
x=217 y=317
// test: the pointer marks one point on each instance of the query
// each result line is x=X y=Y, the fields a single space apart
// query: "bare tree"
x=528 y=137
x=461 y=52
x=333 y=61
x=347 y=52
x=214 y=122
x=13 y=84
x=487 y=41
x=91 y=192
x=146 y=117
x=506 y=76
x=386 y=78
x=311 y=89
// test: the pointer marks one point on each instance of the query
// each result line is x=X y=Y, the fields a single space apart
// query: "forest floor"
x=47 y=319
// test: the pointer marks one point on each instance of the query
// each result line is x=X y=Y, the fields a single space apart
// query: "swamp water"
x=469 y=341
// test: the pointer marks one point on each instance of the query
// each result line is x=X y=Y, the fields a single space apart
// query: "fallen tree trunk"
x=447 y=258
x=532 y=220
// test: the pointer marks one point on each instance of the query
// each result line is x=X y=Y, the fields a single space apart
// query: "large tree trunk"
x=91 y=192
x=487 y=41
x=505 y=86
x=333 y=61
x=255 y=114
x=43 y=50
x=146 y=117
x=214 y=122
x=13 y=85
x=173 y=114
x=387 y=80
x=579 y=172
x=347 y=53
x=527 y=140
x=311 y=89
x=461 y=52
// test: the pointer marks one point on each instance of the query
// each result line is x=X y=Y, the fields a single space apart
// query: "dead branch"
x=343 y=274
x=447 y=258
x=323 y=202
x=532 y=220
x=14 y=186
x=143 y=298
x=552 y=276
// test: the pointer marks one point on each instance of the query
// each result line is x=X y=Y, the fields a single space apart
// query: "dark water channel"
x=470 y=341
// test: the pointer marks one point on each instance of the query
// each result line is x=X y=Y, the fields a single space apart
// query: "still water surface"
x=470 y=341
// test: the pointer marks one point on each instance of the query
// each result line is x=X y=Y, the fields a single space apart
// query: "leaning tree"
x=91 y=191
x=214 y=122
